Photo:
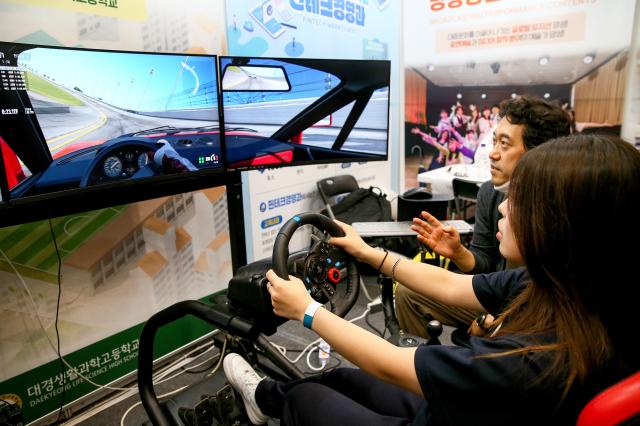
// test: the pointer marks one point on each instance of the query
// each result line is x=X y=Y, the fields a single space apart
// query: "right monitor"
x=286 y=112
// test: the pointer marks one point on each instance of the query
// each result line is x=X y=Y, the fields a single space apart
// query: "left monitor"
x=79 y=119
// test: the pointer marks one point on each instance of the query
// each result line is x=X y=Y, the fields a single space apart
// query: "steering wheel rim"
x=281 y=255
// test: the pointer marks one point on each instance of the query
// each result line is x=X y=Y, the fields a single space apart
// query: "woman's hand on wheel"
x=289 y=298
x=352 y=243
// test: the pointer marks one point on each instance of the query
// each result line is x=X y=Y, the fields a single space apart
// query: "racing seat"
x=617 y=405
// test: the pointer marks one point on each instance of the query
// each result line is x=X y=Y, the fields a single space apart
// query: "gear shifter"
x=434 y=330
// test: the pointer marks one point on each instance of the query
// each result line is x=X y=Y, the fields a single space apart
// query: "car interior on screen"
x=297 y=111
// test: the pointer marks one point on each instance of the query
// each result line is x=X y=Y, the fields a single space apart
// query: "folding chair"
x=465 y=195
x=330 y=188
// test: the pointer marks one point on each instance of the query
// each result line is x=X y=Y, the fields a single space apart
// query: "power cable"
x=59 y=279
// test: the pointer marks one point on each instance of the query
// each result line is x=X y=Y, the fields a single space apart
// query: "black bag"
x=371 y=205
x=364 y=205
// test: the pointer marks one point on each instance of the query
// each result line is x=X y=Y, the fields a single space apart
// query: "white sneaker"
x=244 y=379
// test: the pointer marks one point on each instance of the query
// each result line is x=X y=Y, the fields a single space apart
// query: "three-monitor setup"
x=113 y=127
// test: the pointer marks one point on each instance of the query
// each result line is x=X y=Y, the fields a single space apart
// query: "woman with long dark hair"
x=562 y=324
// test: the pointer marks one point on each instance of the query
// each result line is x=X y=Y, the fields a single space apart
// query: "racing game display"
x=283 y=112
x=73 y=118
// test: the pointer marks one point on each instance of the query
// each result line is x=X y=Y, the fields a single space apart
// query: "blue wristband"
x=309 y=313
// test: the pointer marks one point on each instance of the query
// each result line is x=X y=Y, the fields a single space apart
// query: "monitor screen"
x=73 y=119
x=284 y=112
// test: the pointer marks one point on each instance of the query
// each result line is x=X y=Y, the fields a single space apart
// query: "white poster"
x=490 y=31
x=121 y=264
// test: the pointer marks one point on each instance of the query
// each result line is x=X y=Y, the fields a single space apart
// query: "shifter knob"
x=434 y=330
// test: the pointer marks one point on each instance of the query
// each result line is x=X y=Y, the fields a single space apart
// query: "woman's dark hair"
x=542 y=120
x=573 y=210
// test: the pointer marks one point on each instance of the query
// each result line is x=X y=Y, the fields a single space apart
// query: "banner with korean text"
x=119 y=265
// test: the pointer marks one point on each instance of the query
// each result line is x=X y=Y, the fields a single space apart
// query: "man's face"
x=508 y=147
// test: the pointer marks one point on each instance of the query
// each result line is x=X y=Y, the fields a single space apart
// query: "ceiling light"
x=514 y=95
x=483 y=96
x=546 y=95
x=431 y=67
x=589 y=58
x=543 y=60
x=459 y=96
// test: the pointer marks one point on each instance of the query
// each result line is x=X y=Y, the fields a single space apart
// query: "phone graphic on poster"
x=264 y=15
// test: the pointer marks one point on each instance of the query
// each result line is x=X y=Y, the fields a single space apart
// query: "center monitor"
x=286 y=112
x=74 y=119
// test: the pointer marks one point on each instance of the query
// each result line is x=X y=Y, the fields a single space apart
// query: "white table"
x=441 y=179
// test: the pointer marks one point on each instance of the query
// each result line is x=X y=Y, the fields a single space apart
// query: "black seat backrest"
x=466 y=194
x=465 y=189
x=336 y=185
x=437 y=206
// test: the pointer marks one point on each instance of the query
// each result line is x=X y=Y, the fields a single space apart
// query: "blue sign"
x=272 y=221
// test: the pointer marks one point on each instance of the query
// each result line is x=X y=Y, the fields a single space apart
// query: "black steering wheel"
x=329 y=273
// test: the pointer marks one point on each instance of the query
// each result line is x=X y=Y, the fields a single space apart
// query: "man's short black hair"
x=542 y=120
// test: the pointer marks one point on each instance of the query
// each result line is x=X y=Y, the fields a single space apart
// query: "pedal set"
x=219 y=409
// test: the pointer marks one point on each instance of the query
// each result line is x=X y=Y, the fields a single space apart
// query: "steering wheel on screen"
x=329 y=273
x=122 y=159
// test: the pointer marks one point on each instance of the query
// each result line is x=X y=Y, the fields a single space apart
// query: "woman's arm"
x=431 y=281
x=371 y=353
x=366 y=350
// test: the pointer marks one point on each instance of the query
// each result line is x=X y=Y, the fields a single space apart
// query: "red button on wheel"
x=334 y=275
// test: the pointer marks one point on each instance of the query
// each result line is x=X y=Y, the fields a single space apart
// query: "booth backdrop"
x=121 y=264
x=358 y=29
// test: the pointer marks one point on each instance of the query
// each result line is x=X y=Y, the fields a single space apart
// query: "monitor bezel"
x=74 y=200
x=355 y=159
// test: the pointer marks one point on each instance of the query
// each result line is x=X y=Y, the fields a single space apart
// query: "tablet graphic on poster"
x=382 y=3
x=264 y=15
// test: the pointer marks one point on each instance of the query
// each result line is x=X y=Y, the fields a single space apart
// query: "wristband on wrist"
x=480 y=319
x=309 y=313
x=386 y=253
